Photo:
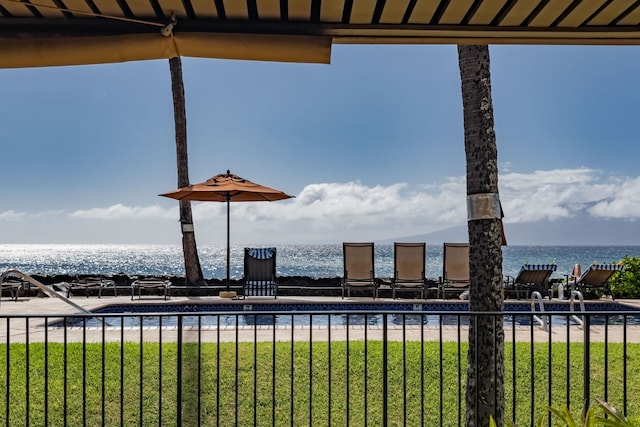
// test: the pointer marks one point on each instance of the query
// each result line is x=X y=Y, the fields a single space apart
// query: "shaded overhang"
x=71 y=32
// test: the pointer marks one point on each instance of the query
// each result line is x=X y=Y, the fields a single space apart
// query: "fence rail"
x=302 y=368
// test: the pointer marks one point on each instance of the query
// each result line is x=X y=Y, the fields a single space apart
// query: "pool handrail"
x=578 y=294
x=537 y=297
x=44 y=288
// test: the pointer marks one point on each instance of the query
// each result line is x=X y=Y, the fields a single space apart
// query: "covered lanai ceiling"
x=60 y=32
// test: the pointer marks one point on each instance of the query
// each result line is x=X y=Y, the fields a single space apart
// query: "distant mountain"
x=572 y=231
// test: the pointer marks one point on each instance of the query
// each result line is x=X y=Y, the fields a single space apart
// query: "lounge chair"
x=151 y=284
x=14 y=286
x=455 y=267
x=596 y=277
x=409 y=268
x=87 y=283
x=260 y=272
x=532 y=277
x=358 y=268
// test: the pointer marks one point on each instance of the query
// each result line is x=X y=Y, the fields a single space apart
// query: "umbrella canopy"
x=227 y=187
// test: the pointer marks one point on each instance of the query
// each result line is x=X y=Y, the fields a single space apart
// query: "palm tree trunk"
x=485 y=372
x=192 y=267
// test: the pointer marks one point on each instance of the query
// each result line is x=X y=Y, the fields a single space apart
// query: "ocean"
x=314 y=261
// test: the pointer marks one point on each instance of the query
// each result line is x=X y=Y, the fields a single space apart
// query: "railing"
x=48 y=290
x=572 y=298
x=312 y=368
x=536 y=300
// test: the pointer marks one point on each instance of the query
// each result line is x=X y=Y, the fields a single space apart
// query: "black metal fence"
x=303 y=368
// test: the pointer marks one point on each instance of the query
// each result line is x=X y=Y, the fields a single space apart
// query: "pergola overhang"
x=69 y=32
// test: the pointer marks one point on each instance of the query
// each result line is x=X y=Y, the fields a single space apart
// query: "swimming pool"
x=243 y=314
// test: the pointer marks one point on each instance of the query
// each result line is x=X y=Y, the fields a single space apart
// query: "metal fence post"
x=587 y=359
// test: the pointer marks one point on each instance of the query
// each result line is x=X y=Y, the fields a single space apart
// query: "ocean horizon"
x=307 y=260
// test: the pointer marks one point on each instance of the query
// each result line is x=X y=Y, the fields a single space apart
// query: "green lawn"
x=321 y=391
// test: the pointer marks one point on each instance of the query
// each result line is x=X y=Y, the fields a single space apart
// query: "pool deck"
x=54 y=307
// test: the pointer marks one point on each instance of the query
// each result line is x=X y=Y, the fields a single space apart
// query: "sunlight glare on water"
x=314 y=261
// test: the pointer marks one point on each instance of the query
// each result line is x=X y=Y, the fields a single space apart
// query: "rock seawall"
x=287 y=285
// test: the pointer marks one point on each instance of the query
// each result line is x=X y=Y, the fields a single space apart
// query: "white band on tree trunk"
x=483 y=206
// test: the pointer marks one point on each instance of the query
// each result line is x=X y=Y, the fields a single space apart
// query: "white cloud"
x=624 y=201
x=353 y=204
x=551 y=195
x=120 y=212
x=352 y=210
x=11 y=215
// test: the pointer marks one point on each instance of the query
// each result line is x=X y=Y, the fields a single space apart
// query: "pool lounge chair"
x=455 y=267
x=14 y=286
x=532 y=277
x=596 y=277
x=151 y=284
x=260 y=272
x=358 y=268
x=409 y=268
x=85 y=284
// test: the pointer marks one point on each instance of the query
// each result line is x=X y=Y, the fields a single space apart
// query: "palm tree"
x=485 y=372
x=193 y=271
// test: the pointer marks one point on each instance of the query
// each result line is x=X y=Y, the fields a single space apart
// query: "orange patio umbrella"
x=227 y=187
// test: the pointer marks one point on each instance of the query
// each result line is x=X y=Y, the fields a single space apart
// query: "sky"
x=371 y=146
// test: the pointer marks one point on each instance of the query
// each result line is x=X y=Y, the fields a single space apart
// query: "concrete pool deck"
x=53 y=308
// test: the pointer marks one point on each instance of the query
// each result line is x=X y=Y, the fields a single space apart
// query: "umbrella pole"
x=228 y=197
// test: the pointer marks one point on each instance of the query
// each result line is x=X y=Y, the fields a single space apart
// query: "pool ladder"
x=536 y=297
x=578 y=294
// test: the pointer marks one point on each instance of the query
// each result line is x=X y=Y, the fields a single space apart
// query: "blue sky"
x=371 y=145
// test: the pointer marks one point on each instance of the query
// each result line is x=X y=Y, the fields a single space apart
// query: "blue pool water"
x=242 y=314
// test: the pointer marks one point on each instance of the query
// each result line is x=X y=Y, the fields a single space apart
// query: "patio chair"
x=150 y=284
x=532 y=277
x=409 y=268
x=358 y=268
x=85 y=284
x=14 y=286
x=455 y=267
x=260 y=272
x=597 y=277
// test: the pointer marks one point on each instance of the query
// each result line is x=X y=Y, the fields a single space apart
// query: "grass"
x=297 y=384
